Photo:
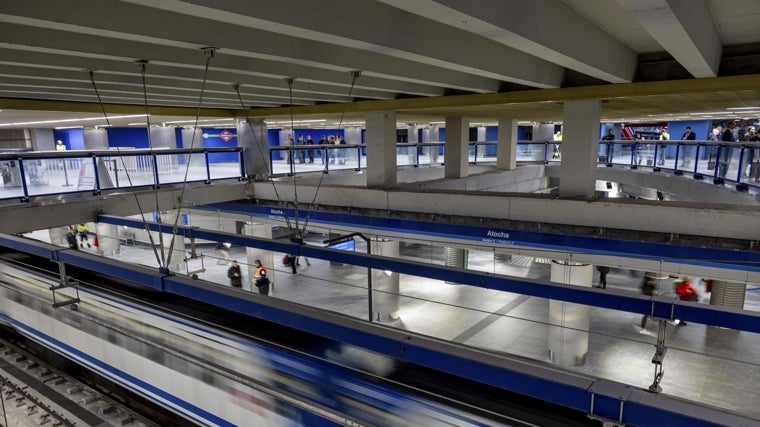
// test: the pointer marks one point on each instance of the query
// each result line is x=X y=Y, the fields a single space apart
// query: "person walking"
x=260 y=278
x=235 y=276
x=603 y=270
x=686 y=292
x=83 y=235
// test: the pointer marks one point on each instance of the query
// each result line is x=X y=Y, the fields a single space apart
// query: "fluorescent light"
x=199 y=121
x=85 y=119
x=712 y=113
x=67 y=127
x=137 y=124
x=743 y=108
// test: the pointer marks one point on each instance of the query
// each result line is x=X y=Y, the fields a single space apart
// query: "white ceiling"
x=403 y=49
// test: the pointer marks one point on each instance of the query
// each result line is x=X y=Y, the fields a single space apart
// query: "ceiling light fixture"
x=85 y=119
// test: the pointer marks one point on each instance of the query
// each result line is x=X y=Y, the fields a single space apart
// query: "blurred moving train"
x=209 y=376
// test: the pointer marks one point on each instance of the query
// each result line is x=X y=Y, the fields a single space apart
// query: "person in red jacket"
x=686 y=292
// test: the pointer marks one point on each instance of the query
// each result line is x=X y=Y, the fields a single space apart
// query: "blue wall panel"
x=128 y=137
x=73 y=139
x=211 y=139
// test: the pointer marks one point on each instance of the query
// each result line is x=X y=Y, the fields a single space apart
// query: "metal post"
x=96 y=191
x=115 y=171
x=23 y=180
x=675 y=165
x=155 y=170
x=696 y=159
x=66 y=173
x=208 y=167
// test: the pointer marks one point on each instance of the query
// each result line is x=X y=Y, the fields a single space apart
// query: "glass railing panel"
x=751 y=173
x=222 y=165
x=406 y=155
x=687 y=157
x=58 y=175
x=341 y=157
x=431 y=154
x=620 y=153
x=531 y=152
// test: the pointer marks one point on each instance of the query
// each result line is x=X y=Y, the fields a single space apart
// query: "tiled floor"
x=713 y=366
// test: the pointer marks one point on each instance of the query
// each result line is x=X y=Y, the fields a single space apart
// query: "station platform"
x=709 y=365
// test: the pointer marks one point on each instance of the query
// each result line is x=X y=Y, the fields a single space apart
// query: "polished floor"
x=713 y=366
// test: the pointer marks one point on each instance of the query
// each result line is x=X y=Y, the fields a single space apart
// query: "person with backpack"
x=261 y=279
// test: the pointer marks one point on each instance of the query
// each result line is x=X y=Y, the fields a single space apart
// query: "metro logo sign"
x=226 y=135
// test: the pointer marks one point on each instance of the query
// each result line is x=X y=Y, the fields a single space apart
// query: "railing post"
x=208 y=167
x=154 y=160
x=678 y=154
x=717 y=161
x=241 y=162
x=475 y=155
x=634 y=147
x=546 y=152
x=96 y=190
x=23 y=179
x=609 y=154
x=741 y=165
x=359 y=158
x=696 y=159
x=417 y=155
x=292 y=157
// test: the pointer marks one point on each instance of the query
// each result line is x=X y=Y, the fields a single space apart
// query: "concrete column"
x=254 y=139
x=729 y=294
x=457 y=147
x=95 y=139
x=385 y=283
x=252 y=254
x=108 y=239
x=506 y=145
x=58 y=236
x=42 y=139
x=569 y=322
x=177 y=262
x=580 y=145
x=381 y=149
x=166 y=137
x=455 y=257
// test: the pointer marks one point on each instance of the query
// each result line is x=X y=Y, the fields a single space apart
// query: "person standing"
x=603 y=270
x=688 y=135
x=310 y=141
x=71 y=238
x=235 y=276
x=664 y=136
x=59 y=146
x=300 y=152
x=289 y=143
x=83 y=235
x=260 y=278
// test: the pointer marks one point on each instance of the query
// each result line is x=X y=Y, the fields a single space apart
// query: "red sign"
x=226 y=135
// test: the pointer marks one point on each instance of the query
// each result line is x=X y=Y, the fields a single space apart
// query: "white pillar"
x=108 y=239
x=412 y=138
x=177 y=261
x=580 y=145
x=569 y=322
x=166 y=137
x=253 y=254
x=254 y=138
x=457 y=147
x=385 y=283
x=381 y=149
x=95 y=139
x=506 y=145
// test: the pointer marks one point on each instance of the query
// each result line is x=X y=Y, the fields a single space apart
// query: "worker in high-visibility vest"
x=83 y=238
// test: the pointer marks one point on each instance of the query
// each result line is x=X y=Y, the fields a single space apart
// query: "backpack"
x=286 y=260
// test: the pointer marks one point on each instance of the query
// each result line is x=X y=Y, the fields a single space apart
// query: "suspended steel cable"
x=293 y=129
x=209 y=52
x=257 y=143
x=126 y=170
x=141 y=65
x=354 y=75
